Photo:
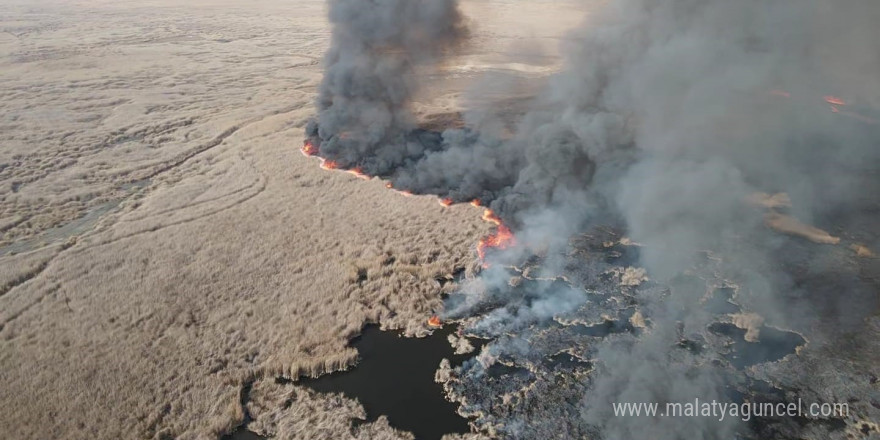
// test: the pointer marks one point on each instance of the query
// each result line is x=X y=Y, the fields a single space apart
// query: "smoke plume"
x=668 y=116
x=364 y=117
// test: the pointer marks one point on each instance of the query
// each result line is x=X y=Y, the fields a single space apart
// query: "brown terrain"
x=164 y=243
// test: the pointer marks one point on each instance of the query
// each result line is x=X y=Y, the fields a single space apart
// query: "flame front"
x=836 y=104
x=490 y=216
x=402 y=192
x=434 y=321
x=329 y=164
x=359 y=173
x=833 y=100
x=502 y=238
x=309 y=148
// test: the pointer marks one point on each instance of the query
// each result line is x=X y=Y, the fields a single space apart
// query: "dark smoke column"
x=364 y=118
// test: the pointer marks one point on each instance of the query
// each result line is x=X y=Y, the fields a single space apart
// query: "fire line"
x=501 y=239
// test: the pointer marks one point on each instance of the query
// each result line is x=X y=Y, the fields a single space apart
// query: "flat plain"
x=165 y=248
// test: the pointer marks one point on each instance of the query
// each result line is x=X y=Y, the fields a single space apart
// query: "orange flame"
x=402 y=192
x=833 y=100
x=329 y=164
x=358 y=172
x=434 y=321
x=836 y=104
x=309 y=149
x=501 y=239
x=490 y=216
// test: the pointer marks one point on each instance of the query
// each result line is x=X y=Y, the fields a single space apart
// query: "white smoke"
x=667 y=115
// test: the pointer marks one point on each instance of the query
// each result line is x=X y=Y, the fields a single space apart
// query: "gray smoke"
x=668 y=115
x=364 y=117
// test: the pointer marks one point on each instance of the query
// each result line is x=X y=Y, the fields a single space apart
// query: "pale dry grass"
x=287 y=412
x=18 y=269
x=787 y=224
x=161 y=317
x=234 y=258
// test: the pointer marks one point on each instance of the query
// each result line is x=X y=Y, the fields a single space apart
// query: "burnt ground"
x=823 y=348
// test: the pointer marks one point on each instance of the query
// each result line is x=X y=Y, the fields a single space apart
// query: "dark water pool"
x=243 y=434
x=395 y=378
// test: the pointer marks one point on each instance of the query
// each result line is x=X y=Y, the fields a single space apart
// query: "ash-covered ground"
x=686 y=210
x=552 y=330
x=689 y=186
